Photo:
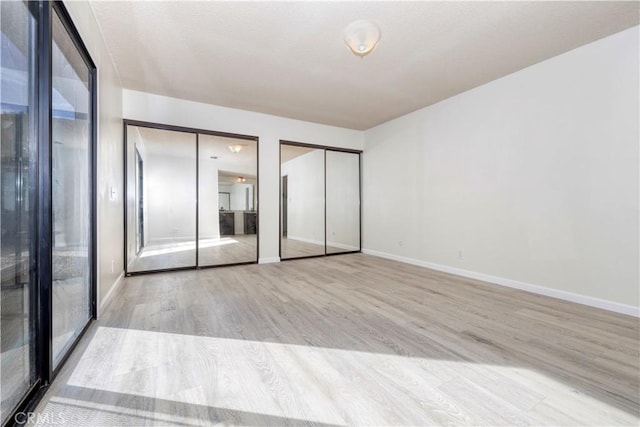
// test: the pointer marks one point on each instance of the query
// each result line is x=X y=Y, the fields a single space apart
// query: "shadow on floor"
x=524 y=354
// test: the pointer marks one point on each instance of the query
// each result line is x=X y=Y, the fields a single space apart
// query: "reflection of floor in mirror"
x=294 y=248
x=228 y=250
x=225 y=250
x=168 y=255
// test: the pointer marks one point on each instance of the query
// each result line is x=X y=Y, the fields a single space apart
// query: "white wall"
x=270 y=129
x=533 y=177
x=171 y=198
x=305 y=197
x=109 y=155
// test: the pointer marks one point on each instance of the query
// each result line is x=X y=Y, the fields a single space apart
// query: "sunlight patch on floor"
x=190 y=246
x=316 y=384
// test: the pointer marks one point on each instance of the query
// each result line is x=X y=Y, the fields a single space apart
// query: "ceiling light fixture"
x=235 y=148
x=242 y=179
x=361 y=37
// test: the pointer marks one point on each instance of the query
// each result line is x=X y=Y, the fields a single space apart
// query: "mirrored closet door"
x=319 y=201
x=161 y=199
x=343 y=201
x=191 y=198
x=302 y=202
x=227 y=215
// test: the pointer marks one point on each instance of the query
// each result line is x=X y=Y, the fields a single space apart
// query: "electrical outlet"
x=400 y=243
x=460 y=255
x=113 y=266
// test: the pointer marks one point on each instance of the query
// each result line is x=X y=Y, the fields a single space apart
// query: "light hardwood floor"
x=346 y=340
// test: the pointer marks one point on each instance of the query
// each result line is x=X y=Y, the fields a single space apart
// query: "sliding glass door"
x=47 y=294
x=191 y=198
x=71 y=195
x=319 y=200
x=17 y=184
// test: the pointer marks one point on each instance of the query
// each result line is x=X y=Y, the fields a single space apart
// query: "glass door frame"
x=45 y=169
x=41 y=219
x=58 y=9
x=325 y=148
x=197 y=132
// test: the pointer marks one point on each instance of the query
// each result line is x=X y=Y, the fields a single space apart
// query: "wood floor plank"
x=347 y=340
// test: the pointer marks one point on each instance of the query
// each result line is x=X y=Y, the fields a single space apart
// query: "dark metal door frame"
x=325 y=148
x=197 y=132
x=40 y=194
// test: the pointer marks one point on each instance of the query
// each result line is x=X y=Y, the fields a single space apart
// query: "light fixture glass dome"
x=235 y=148
x=361 y=37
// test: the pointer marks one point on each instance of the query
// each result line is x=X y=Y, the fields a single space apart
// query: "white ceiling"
x=288 y=58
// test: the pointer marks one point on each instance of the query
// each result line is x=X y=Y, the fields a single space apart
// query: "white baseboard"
x=536 y=289
x=269 y=260
x=109 y=296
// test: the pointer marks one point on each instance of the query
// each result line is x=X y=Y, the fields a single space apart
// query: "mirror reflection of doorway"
x=140 y=202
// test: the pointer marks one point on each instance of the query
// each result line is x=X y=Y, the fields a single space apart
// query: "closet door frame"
x=325 y=148
x=197 y=132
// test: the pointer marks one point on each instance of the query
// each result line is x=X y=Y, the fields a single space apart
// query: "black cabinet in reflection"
x=227 y=223
x=250 y=223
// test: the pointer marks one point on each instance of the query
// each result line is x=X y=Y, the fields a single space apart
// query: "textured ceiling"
x=288 y=58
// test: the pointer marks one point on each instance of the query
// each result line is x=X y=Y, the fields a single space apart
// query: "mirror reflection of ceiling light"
x=361 y=37
x=236 y=148
x=242 y=179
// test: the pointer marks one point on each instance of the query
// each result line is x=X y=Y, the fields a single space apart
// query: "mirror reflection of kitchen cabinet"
x=227 y=223
x=250 y=222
